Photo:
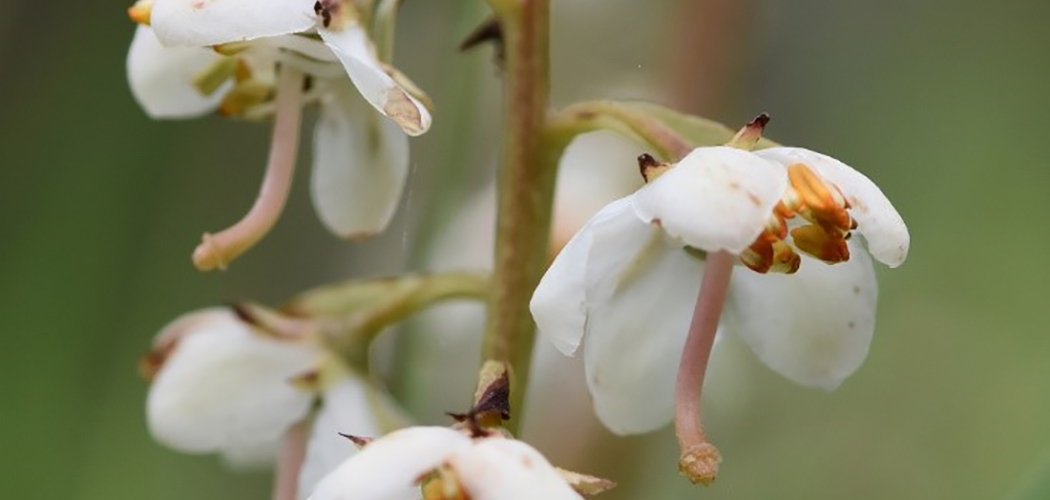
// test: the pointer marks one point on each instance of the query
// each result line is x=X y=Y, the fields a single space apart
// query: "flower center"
x=823 y=233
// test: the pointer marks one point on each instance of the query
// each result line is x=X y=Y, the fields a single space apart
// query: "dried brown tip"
x=490 y=31
x=650 y=168
x=759 y=121
x=750 y=134
x=494 y=398
x=359 y=441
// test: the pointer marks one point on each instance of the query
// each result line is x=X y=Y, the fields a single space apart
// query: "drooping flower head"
x=627 y=284
x=221 y=384
x=255 y=59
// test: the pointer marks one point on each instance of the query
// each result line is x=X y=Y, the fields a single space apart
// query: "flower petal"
x=353 y=48
x=346 y=408
x=360 y=167
x=507 y=469
x=225 y=388
x=882 y=227
x=211 y=22
x=559 y=302
x=596 y=168
x=388 y=468
x=716 y=198
x=161 y=78
x=814 y=326
x=640 y=295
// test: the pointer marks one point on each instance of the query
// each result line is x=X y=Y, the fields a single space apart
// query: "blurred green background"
x=941 y=102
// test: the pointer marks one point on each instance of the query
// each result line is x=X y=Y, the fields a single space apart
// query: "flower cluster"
x=254 y=59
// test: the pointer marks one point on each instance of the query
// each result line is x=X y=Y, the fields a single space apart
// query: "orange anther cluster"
x=819 y=203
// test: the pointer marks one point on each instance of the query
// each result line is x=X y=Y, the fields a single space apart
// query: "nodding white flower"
x=252 y=59
x=626 y=284
x=450 y=463
x=221 y=385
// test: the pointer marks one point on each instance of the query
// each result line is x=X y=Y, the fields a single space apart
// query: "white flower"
x=221 y=385
x=191 y=57
x=626 y=284
x=390 y=468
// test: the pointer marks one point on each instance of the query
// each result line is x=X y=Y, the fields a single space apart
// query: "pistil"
x=217 y=250
x=699 y=458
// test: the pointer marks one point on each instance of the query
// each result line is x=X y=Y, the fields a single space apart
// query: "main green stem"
x=526 y=192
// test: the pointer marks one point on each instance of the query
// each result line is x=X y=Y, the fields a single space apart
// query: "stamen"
x=699 y=459
x=824 y=206
x=820 y=243
x=208 y=80
x=289 y=463
x=218 y=250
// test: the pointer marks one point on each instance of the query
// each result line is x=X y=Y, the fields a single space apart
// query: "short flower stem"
x=590 y=116
x=217 y=250
x=699 y=460
x=289 y=463
x=526 y=191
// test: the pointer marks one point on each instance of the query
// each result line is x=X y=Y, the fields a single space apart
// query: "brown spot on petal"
x=400 y=108
x=754 y=199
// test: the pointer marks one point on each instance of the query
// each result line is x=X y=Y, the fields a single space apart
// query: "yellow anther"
x=830 y=247
x=244 y=96
x=209 y=79
x=242 y=72
x=140 y=12
x=231 y=48
x=443 y=484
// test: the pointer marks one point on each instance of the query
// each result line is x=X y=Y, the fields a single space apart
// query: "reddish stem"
x=289 y=463
x=699 y=459
x=218 y=250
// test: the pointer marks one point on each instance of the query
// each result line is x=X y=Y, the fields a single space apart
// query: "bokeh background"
x=942 y=102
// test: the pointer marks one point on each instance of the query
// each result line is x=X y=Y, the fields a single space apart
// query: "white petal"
x=387 y=469
x=716 y=198
x=161 y=78
x=640 y=296
x=882 y=227
x=353 y=48
x=814 y=326
x=225 y=388
x=507 y=469
x=347 y=407
x=558 y=304
x=212 y=22
x=596 y=168
x=360 y=167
